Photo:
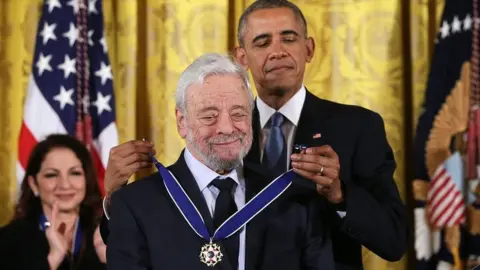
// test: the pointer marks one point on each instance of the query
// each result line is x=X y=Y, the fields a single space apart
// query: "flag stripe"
x=26 y=145
x=107 y=139
x=100 y=169
x=437 y=184
x=449 y=209
x=440 y=175
x=458 y=211
x=442 y=193
x=440 y=208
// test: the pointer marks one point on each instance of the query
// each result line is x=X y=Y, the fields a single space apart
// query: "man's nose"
x=225 y=124
x=277 y=50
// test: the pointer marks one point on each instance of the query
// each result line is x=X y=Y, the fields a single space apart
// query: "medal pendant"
x=211 y=254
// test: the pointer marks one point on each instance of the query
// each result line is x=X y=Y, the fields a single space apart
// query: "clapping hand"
x=57 y=241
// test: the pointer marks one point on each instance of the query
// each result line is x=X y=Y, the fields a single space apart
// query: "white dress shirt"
x=204 y=175
x=291 y=111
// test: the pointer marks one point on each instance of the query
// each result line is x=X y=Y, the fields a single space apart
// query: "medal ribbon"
x=77 y=240
x=235 y=222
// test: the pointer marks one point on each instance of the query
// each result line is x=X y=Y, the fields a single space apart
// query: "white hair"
x=207 y=65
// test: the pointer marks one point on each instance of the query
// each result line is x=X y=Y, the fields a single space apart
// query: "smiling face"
x=217 y=121
x=61 y=179
x=275 y=50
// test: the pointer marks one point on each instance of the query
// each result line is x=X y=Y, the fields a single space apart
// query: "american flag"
x=445 y=203
x=70 y=88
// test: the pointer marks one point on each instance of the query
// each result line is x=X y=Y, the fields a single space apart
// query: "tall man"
x=348 y=156
x=152 y=224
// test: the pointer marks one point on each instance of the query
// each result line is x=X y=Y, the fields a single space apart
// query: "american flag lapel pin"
x=317 y=135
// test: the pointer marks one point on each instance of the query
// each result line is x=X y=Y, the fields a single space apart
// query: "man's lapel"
x=311 y=128
x=255 y=180
x=186 y=180
x=312 y=121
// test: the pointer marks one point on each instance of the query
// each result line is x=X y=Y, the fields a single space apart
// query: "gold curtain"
x=366 y=55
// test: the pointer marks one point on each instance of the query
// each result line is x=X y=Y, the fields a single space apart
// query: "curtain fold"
x=18 y=24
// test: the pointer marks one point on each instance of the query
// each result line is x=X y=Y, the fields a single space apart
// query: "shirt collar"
x=291 y=110
x=204 y=175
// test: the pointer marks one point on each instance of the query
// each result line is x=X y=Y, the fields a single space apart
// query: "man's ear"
x=181 y=123
x=310 y=46
x=240 y=56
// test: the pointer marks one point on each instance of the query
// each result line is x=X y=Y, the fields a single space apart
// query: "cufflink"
x=298 y=148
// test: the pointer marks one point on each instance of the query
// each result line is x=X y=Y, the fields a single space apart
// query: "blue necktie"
x=275 y=154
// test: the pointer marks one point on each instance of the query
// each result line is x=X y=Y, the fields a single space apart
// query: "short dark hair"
x=268 y=4
x=29 y=206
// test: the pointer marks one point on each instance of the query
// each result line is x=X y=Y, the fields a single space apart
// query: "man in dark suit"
x=151 y=226
x=348 y=157
x=348 y=160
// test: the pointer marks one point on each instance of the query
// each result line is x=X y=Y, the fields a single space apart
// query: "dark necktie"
x=225 y=207
x=275 y=154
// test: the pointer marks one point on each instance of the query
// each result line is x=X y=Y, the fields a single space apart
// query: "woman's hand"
x=56 y=240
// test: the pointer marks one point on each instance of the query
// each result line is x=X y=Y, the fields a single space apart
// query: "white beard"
x=211 y=160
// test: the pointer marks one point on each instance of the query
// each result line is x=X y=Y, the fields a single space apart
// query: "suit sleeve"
x=104 y=232
x=375 y=216
x=127 y=245
x=318 y=252
x=106 y=205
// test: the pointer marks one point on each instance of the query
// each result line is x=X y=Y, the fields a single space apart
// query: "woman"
x=54 y=226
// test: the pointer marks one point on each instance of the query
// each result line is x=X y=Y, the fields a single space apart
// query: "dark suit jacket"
x=23 y=246
x=376 y=216
x=147 y=231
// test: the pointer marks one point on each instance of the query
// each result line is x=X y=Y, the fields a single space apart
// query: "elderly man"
x=209 y=209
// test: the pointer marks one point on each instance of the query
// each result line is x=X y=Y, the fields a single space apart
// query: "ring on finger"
x=321 y=171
